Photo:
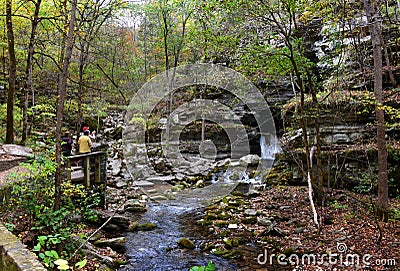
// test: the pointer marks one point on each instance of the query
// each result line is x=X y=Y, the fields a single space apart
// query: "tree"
x=91 y=17
x=375 y=26
x=12 y=74
x=281 y=50
x=29 y=69
x=62 y=92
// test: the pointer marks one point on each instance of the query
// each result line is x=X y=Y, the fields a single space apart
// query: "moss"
x=211 y=216
x=221 y=223
x=223 y=233
x=186 y=243
x=207 y=248
x=237 y=194
x=132 y=226
x=232 y=254
x=221 y=252
x=146 y=226
x=223 y=216
x=203 y=222
x=249 y=220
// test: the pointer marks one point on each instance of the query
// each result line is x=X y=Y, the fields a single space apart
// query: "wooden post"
x=69 y=164
x=97 y=172
x=86 y=171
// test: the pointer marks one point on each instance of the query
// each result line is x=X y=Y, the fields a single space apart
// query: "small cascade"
x=269 y=148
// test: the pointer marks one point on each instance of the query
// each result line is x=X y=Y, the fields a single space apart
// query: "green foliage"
x=44 y=249
x=81 y=264
x=139 y=120
x=210 y=267
x=33 y=190
x=395 y=214
x=337 y=205
x=367 y=183
x=3 y=117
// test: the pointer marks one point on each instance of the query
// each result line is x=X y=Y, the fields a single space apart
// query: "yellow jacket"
x=84 y=144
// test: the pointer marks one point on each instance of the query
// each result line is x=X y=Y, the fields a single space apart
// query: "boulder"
x=16 y=150
x=186 y=243
x=117 y=244
x=249 y=160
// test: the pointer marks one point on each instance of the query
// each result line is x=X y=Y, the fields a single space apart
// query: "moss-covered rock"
x=249 y=220
x=146 y=226
x=186 y=243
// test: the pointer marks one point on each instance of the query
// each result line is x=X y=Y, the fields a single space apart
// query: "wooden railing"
x=91 y=167
x=94 y=171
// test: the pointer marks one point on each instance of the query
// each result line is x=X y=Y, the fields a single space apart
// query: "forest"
x=232 y=134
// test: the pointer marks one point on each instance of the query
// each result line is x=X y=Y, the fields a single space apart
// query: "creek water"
x=158 y=249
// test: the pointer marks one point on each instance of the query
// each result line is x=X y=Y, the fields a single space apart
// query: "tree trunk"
x=374 y=21
x=28 y=72
x=12 y=75
x=62 y=93
x=318 y=184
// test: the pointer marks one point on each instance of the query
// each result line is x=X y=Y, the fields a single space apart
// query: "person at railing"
x=93 y=136
x=66 y=144
x=84 y=142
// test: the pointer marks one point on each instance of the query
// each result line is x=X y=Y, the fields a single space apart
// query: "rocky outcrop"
x=11 y=155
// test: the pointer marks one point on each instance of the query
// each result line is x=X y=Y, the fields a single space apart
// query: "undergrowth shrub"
x=33 y=193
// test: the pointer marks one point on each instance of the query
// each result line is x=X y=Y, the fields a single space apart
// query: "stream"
x=158 y=249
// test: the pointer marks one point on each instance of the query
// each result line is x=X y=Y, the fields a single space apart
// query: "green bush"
x=33 y=192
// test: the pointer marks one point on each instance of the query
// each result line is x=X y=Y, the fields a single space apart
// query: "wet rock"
x=235 y=203
x=132 y=226
x=117 y=244
x=116 y=167
x=222 y=163
x=273 y=231
x=121 y=184
x=135 y=207
x=282 y=208
x=221 y=223
x=233 y=226
x=223 y=216
x=264 y=221
x=186 y=243
x=169 y=195
x=177 y=188
x=249 y=160
x=199 y=184
x=299 y=230
x=211 y=216
x=104 y=267
x=230 y=243
x=237 y=193
x=116 y=223
x=146 y=226
x=158 y=198
x=207 y=247
x=249 y=220
x=250 y=212
x=102 y=259
x=220 y=251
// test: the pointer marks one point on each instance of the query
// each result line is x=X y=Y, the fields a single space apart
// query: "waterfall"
x=269 y=149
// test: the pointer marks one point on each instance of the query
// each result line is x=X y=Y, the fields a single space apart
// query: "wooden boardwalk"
x=93 y=171
x=93 y=174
